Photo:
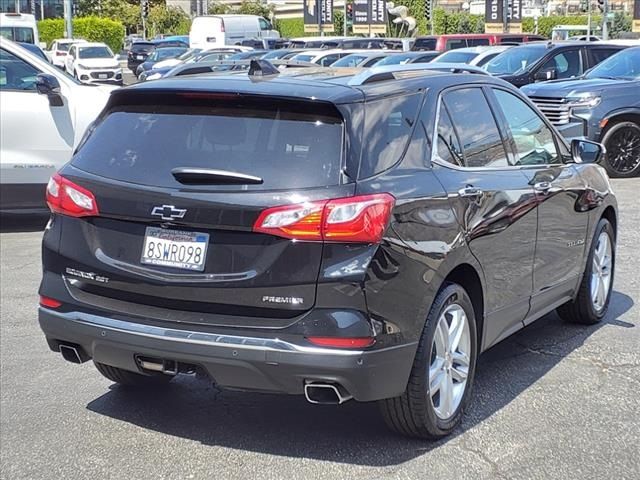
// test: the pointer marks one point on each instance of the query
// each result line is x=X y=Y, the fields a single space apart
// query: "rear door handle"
x=542 y=187
x=470 y=191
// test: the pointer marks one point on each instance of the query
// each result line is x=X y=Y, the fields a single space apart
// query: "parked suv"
x=300 y=234
x=603 y=105
x=541 y=61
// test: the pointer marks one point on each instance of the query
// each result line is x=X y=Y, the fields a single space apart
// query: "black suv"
x=542 y=61
x=322 y=233
x=602 y=105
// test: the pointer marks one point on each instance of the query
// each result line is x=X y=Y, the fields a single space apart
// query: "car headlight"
x=589 y=100
x=154 y=76
x=81 y=67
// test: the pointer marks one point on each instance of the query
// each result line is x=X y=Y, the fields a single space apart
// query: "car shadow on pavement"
x=352 y=433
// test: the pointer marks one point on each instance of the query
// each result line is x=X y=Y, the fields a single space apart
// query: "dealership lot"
x=553 y=401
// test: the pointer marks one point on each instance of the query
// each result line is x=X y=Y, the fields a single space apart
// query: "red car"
x=442 y=43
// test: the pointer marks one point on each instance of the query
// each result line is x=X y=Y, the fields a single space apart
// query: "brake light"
x=341 y=342
x=222 y=26
x=361 y=219
x=67 y=198
x=49 y=302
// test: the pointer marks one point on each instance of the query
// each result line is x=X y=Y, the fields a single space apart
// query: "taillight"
x=67 y=198
x=60 y=54
x=351 y=219
x=342 y=342
x=49 y=302
x=222 y=26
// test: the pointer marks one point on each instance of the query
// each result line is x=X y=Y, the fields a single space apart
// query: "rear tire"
x=415 y=413
x=585 y=309
x=132 y=379
x=622 y=142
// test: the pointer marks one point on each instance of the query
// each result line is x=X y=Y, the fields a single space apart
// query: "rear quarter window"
x=388 y=126
x=287 y=149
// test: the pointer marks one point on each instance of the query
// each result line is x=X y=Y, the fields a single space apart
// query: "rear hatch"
x=179 y=188
x=140 y=51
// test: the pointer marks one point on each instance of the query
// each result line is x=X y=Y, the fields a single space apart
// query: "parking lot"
x=553 y=401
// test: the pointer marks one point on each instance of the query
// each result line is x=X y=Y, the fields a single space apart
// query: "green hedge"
x=93 y=29
x=290 y=27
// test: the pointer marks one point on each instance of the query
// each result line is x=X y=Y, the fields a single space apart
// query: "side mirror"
x=544 y=75
x=48 y=85
x=586 y=151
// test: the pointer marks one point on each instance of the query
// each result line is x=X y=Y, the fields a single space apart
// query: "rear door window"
x=476 y=42
x=286 y=147
x=476 y=128
x=600 y=54
x=425 y=44
x=456 y=43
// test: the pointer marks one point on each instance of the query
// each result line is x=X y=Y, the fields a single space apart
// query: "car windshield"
x=94 y=52
x=276 y=54
x=623 y=65
x=164 y=53
x=398 y=59
x=455 y=56
x=302 y=57
x=349 y=61
x=64 y=47
x=192 y=52
x=515 y=59
x=18 y=34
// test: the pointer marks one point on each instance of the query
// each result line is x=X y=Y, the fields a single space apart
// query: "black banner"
x=494 y=11
x=636 y=10
x=318 y=9
x=369 y=16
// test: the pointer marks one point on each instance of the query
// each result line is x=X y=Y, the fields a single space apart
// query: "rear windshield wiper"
x=207 y=176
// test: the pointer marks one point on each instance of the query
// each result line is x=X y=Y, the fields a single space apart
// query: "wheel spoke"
x=436 y=381
x=446 y=396
x=456 y=329
x=595 y=287
x=602 y=294
x=441 y=339
x=459 y=373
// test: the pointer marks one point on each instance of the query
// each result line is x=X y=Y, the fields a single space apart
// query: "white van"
x=212 y=31
x=19 y=27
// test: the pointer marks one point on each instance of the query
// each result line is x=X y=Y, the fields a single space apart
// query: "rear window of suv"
x=287 y=149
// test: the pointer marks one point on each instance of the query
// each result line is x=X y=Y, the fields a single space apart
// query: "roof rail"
x=393 y=72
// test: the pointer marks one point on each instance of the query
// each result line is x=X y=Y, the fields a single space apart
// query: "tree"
x=621 y=23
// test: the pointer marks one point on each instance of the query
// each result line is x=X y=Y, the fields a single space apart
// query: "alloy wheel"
x=450 y=358
x=601 y=272
x=623 y=150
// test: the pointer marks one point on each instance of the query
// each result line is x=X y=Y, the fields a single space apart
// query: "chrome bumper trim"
x=198 y=338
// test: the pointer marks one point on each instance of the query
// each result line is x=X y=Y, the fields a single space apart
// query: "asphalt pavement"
x=555 y=401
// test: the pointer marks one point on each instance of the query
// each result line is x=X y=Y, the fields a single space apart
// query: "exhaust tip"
x=326 y=393
x=73 y=353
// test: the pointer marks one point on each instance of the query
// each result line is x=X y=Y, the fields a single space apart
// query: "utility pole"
x=68 y=14
x=505 y=15
x=605 y=20
x=345 y=26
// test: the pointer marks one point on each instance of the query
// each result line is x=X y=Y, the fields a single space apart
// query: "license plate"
x=140 y=57
x=175 y=248
x=103 y=75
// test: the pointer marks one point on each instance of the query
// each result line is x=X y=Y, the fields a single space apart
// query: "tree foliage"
x=92 y=28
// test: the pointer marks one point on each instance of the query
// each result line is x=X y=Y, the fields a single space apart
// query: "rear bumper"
x=250 y=363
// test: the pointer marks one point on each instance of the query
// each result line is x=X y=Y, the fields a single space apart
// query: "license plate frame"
x=103 y=76
x=171 y=249
x=140 y=57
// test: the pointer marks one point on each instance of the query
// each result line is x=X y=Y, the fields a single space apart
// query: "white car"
x=476 y=56
x=93 y=63
x=59 y=50
x=43 y=116
x=324 y=58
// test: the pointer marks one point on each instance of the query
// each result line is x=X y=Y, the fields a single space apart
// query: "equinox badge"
x=168 y=212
